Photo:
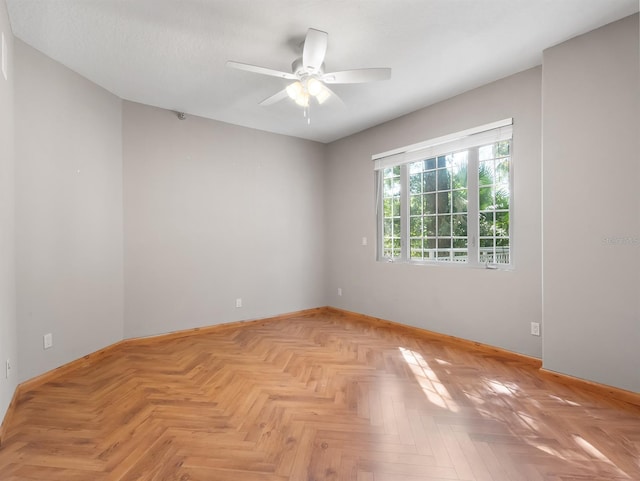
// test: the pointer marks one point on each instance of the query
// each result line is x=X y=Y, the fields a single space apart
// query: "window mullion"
x=404 y=212
x=473 y=229
x=380 y=213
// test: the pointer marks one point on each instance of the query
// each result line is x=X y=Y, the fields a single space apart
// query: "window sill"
x=455 y=265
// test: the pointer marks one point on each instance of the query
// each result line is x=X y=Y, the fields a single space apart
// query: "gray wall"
x=494 y=307
x=8 y=335
x=215 y=212
x=68 y=213
x=591 y=178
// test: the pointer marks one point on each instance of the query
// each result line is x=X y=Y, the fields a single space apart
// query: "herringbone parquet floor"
x=320 y=398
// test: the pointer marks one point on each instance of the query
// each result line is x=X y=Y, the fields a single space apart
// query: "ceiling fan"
x=308 y=75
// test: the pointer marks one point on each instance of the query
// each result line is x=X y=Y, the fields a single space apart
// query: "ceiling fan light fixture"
x=294 y=90
x=314 y=86
x=323 y=95
x=302 y=99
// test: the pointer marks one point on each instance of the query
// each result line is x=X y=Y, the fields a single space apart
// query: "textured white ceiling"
x=172 y=53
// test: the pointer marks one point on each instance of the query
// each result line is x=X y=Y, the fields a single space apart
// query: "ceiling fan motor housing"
x=298 y=68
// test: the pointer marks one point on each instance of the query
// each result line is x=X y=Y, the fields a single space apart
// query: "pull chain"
x=307 y=114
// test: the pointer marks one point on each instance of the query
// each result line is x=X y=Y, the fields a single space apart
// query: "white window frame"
x=469 y=139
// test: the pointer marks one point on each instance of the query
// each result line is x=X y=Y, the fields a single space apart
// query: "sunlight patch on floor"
x=443 y=362
x=549 y=450
x=589 y=448
x=528 y=421
x=563 y=401
x=508 y=389
x=428 y=380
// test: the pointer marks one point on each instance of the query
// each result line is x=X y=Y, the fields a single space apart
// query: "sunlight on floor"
x=443 y=362
x=586 y=451
x=435 y=391
x=594 y=452
x=528 y=421
x=564 y=401
x=502 y=388
x=589 y=448
x=489 y=396
x=549 y=450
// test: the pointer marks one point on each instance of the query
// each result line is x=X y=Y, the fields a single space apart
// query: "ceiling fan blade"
x=260 y=70
x=277 y=97
x=357 y=76
x=314 y=50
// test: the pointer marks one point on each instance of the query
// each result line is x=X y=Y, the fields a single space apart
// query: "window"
x=494 y=201
x=448 y=199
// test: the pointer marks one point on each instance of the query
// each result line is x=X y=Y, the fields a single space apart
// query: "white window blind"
x=484 y=134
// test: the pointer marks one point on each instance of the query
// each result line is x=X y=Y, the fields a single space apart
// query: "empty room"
x=320 y=240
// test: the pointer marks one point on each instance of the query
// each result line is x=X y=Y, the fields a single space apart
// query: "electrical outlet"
x=8 y=370
x=535 y=328
x=365 y=241
x=238 y=302
x=48 y=340
x=339 y=291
